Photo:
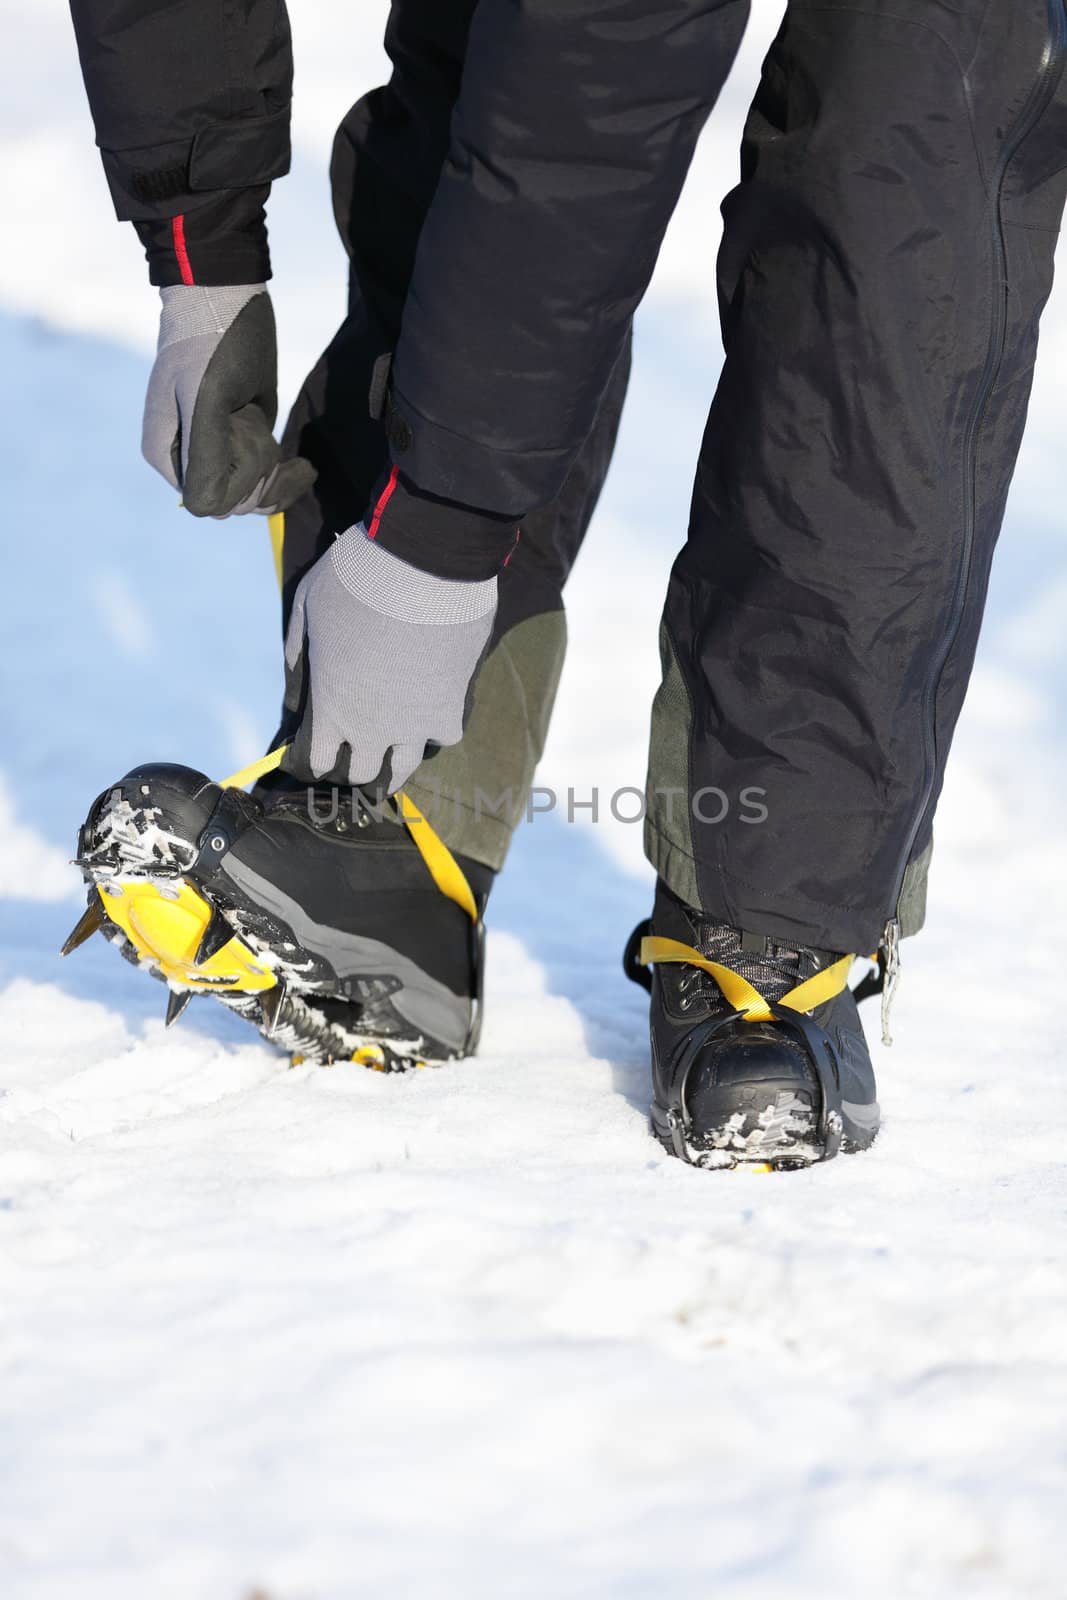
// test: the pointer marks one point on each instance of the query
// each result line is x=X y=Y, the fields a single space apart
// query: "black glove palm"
x=212 y=400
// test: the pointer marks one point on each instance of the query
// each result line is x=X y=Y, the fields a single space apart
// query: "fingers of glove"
x=448 y=728
x=324 y=747
x=297 y=759
x=317 y=750
x=180 y=368
x=242 y=368
x=230 y=449
x=296 y=632
x=227 y=457
x=296 y=652
x=161 y=424
x=446 y=715
x=468 y=699
x=285 y=485
x=402 y=761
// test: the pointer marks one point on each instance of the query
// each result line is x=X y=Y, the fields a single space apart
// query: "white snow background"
x=320 y=1335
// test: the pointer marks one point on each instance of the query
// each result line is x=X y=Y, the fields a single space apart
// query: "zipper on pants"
x=1049 y=74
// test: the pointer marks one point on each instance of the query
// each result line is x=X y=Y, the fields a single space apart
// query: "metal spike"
x=270 y=1005
x=176 y=1004
x=217 y=935
x=91 y=919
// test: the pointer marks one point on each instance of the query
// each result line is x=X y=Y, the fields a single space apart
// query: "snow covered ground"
x=321 y=1335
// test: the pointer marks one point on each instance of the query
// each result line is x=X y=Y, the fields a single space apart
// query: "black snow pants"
x=886 y=258
x=386 y=165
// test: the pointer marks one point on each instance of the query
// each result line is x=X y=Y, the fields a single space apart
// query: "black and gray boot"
x=309 y=911
x=739 y=1082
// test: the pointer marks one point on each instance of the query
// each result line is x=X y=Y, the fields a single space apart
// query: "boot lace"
x=772 y=973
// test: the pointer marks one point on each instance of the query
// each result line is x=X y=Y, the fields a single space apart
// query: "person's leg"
x=885 y=261
x=386 y=163
x=475 y=792
x=387 y=159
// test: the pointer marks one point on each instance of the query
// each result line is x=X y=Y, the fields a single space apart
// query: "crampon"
x=193 y=881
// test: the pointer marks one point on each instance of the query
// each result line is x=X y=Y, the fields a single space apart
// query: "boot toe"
x=751 y=1095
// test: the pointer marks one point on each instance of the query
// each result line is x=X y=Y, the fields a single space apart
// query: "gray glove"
x=212 y=400
x=379 y=658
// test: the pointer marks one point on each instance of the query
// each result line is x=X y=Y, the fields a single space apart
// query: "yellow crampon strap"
x=443 y=867
x=738 y=992
x=276 y=528
x=256 y=770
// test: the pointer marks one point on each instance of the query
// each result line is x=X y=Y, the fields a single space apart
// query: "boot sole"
x=161 y=926
x=783 y=1144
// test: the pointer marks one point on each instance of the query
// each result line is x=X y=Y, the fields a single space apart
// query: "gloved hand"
x=380 y=657
x=212 y=400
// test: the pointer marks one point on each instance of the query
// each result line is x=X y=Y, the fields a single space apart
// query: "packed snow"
x=316 y=1334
